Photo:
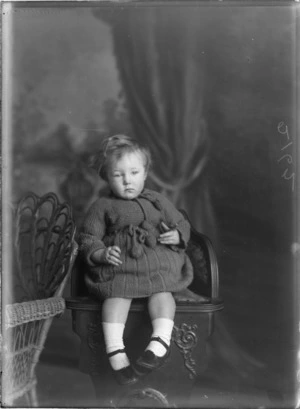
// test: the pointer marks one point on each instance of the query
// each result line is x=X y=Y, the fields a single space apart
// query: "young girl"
x=133 y=241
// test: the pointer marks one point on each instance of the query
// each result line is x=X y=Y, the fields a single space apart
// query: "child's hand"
x=170 y=236
x=111 y=255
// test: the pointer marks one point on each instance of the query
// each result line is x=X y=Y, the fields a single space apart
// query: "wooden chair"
x=42 y=258
x=194 y=319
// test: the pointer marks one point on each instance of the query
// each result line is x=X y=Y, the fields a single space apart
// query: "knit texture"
x=148 y=267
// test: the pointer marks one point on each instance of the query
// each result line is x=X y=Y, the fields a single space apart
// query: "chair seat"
x=186 y=300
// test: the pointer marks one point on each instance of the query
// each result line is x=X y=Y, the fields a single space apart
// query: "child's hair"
x=115 y=147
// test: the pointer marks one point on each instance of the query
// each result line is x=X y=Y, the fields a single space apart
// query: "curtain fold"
x=161 y=70
x=160 y=54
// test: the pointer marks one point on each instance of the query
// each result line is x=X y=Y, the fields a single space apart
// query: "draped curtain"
x=160 y=58
x=164 y=59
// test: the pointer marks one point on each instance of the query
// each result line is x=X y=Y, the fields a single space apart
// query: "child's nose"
x=126 y=179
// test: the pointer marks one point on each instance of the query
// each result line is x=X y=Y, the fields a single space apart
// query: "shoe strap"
x=117 y=351
x=158 y=339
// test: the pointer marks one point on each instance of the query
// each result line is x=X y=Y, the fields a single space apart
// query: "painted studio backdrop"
x=211 y=90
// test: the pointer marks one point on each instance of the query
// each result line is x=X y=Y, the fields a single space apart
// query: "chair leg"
x=32 y=397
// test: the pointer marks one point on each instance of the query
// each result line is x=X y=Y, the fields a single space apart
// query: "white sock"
x=113 y=337
x=162 y=328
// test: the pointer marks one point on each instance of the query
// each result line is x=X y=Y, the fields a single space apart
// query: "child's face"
x=126 y=175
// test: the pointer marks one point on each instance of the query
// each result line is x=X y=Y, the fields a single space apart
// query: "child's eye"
x=116 y=175
x=134 y=172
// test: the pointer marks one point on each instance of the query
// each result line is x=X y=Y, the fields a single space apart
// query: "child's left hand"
x=170 y=236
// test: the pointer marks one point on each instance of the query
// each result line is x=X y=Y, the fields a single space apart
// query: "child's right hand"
x=111 y=255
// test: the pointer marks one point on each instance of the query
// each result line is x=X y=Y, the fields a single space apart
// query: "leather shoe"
x=125 y=376
x=148 y=361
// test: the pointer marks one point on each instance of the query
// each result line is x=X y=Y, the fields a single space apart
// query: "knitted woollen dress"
x=147 y=267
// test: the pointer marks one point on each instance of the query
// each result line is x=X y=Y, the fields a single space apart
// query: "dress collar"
x=145 y=194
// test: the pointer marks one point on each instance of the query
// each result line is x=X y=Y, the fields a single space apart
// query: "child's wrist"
x=97 y=256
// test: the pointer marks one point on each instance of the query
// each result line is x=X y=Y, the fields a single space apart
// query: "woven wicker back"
x=44 y=231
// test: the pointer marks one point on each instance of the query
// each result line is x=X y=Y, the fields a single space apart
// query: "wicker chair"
x=44 y=251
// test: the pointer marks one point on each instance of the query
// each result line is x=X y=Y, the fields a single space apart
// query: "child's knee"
x=164 y=297
x=162 y=305
x=115 y=309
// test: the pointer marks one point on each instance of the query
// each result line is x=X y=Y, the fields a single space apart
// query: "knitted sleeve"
x=175 y=220
x=92 y=231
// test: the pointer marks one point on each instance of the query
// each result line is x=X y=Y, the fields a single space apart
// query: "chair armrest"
x=28 y=311
x=202 y=243
x=211 y=257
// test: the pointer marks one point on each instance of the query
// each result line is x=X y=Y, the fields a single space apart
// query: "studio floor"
x=60 y=386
